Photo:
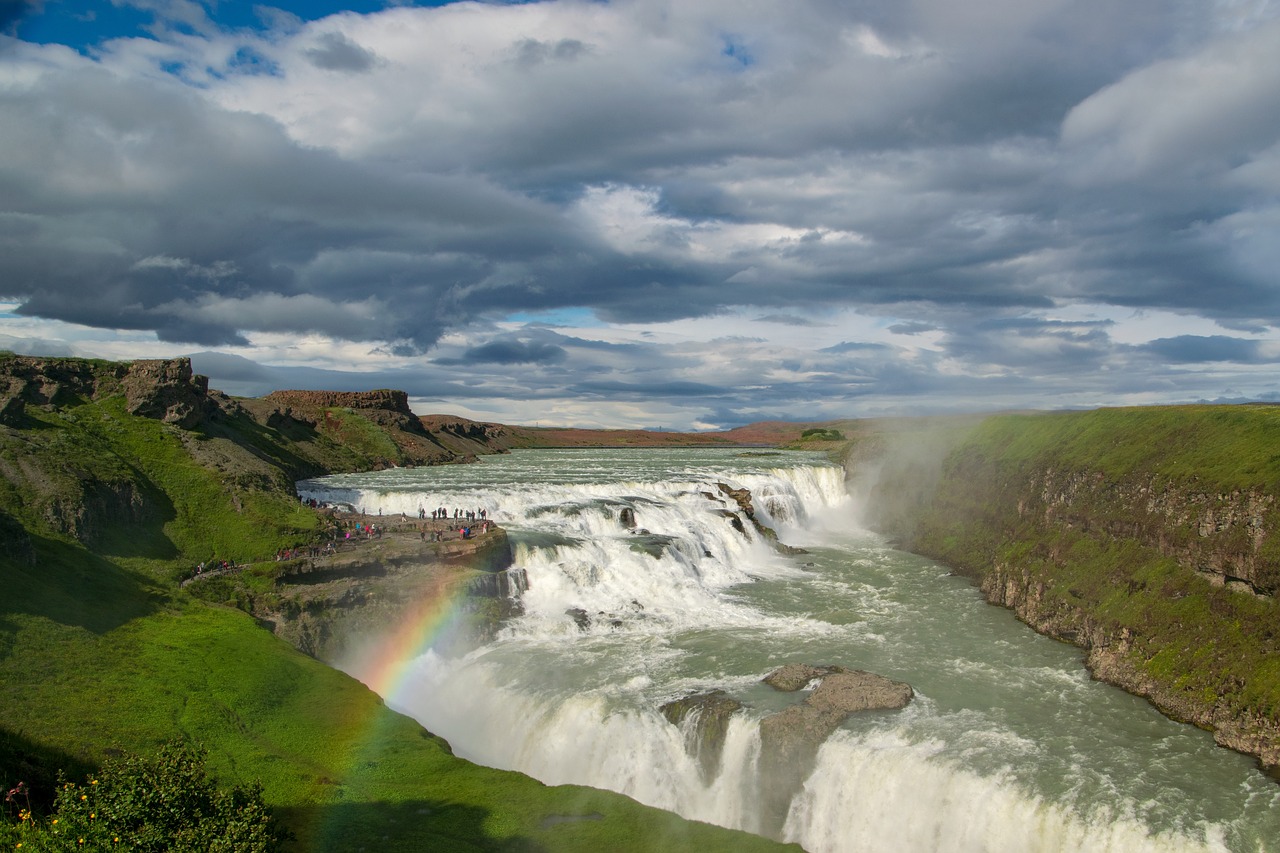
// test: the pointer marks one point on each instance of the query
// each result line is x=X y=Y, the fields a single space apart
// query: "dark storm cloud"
x=1188 y=349
x=238 y=228
x=510 y=352
x=336 y=52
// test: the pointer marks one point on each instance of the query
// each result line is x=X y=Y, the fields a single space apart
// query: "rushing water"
x=1007 y=746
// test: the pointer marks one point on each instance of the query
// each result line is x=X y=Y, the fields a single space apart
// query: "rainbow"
x=387 y=665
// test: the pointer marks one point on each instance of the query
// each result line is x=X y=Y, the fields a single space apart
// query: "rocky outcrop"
x=742 y=498
x=383 y=399
x=790 y=739
x=167 y=390
x=328 y=606
x=704 y=719
x=1221 y=535
x=51 y=383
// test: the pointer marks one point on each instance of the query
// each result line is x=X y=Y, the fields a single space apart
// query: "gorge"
x=1145 y=536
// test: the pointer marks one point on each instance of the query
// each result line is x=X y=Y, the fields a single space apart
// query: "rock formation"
x=790 y=739
x=704 y=719
x=327 y=605
x=167 y=390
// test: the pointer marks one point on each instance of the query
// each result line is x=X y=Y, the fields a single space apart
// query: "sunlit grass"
x=102 y=653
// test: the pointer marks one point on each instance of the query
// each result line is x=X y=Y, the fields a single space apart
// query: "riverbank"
x=1149 y=538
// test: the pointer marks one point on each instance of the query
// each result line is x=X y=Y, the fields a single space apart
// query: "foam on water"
x=1009 y=745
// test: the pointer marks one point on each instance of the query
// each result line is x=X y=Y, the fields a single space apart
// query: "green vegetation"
x=168 y=803
x=822 y=434
x=1100 y=520
x=102 y=654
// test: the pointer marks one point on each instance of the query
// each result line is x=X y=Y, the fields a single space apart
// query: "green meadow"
x=102 y=654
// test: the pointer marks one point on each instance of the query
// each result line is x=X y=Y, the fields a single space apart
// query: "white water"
x=1008 y=745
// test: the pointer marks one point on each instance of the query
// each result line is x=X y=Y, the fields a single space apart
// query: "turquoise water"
x=1008 y=744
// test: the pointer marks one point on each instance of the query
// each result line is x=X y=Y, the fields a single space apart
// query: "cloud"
x=788 y=207
x=511 y=352
x=335 y=52
x=1189 y=349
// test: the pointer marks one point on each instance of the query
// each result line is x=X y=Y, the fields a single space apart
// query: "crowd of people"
x=442 y=514
x=354 y=526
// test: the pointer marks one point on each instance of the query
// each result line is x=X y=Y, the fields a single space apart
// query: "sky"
x=653 y=213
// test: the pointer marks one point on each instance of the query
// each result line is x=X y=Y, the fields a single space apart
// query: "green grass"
x=102 y=653
x=334 y=761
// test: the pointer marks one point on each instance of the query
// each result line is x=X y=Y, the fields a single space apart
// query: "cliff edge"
x=1148 y=537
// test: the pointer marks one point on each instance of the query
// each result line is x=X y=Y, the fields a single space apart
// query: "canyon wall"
x=1148 y=537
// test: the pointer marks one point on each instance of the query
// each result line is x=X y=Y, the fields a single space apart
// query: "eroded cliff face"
x=335 y=607
x=1227 y=537
x=1166 y=580
x=79 y=494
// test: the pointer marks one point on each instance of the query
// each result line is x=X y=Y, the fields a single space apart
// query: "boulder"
x=707 y=716
x=790 y=739
x=794 y=676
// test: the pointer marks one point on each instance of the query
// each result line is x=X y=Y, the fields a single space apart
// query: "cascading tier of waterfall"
x=647 y=583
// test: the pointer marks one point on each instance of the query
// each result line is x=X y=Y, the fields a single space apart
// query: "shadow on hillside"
x=411 y=827
x=24 y=760
x=269 y=443
x=72 y=586
x=142 y=536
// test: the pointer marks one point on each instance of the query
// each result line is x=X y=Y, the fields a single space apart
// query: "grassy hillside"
x=101 y=652
x=1150 y=537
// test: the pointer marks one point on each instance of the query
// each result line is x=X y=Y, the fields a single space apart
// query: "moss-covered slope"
x=115 y=479
x=1150 y=537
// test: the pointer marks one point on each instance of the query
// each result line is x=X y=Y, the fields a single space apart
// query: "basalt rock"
x=330 y=606
x=746 y=507
x=384 y=399
x=51 y=383
x=167 y=390
x=790 y=739
x=707 y=716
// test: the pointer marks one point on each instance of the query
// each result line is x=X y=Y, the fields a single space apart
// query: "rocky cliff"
x=333 y=606
x=78 y=459
x=1148 y=537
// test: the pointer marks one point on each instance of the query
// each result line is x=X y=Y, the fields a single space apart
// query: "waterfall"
x=644 y=584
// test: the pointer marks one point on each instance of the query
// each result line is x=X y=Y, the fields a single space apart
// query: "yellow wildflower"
x=84 y=797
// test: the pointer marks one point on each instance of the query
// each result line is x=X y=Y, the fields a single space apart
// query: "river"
x=1008 y=745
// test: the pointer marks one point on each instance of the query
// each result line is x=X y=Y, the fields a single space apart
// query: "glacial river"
x=1007 y=746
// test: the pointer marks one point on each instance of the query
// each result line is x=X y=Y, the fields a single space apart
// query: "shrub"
x=165 y=803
